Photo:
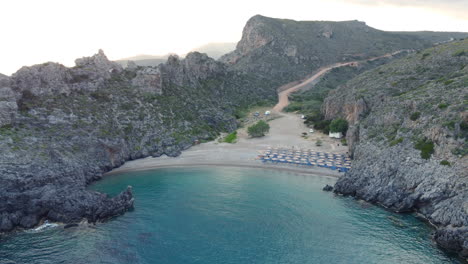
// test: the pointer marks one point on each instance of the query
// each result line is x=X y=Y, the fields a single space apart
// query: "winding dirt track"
x=283 y=96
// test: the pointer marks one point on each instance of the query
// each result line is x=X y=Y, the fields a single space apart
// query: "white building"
x=335 y=134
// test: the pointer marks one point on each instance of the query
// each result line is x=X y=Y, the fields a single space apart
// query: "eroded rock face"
x=8 y=105
x=44 y=79
x=189 y=71
x=148 y=80
x=254 y=36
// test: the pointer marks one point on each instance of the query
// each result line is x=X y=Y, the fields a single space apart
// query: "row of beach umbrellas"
x=307 y=157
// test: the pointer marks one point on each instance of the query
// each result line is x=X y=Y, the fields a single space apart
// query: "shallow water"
x=231 y=215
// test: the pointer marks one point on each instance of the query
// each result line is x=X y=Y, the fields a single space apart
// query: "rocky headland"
x=62 y=128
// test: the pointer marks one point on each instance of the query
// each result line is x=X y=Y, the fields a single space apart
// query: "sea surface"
x=231 y=215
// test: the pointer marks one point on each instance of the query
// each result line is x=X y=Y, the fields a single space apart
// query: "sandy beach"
x=285 y=132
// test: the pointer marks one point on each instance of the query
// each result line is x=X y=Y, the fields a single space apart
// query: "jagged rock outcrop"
x=52 y=78
x=189 y=71
x=44 y=79
x=97 y=66
x=409 y=138
x=71 y=125
x=148 y=80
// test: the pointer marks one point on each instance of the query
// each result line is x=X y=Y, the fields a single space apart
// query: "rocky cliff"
x=409 y=138
x=286 y=50
x=62 y=128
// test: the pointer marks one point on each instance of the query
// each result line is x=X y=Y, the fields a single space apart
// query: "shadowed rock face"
x=387 y=167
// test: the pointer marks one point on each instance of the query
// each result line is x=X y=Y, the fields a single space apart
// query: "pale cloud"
x=456 y=8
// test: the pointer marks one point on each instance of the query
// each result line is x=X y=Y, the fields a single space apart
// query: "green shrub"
x=447 y=82
x=425 y=55
x=445 y=163
x=293 y=107
x=318 y=143
x=259 y=129
x=344 y=142
x=449 y=124
x=339 y=125
x=443 y=106
x=460 y=53
x=323 y=126
x=313 y=118
x=426 y=147
x=414 y=116
x=231 y=138
x=396 y=142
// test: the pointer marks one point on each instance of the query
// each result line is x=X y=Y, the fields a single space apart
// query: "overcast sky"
x=36 y=31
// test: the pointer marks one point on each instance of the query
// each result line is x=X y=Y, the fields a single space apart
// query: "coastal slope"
x=408 y=136
x=62 y=128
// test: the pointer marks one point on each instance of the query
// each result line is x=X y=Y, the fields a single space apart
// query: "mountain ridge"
x=297 y=48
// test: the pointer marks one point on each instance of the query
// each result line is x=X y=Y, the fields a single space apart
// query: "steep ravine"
x=409 y=135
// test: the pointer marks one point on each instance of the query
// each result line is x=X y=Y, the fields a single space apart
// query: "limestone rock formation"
x=53 y=78
x=44 y=79
x=98 y=66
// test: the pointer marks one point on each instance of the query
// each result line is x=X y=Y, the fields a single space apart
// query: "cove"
x=231 y=215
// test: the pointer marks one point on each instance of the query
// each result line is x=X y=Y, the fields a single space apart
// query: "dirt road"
x=283 y=97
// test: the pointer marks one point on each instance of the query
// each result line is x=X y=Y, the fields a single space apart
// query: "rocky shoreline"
x=404 y=161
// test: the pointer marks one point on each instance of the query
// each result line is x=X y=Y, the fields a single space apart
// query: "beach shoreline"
x=301 y=170
x=285 y=133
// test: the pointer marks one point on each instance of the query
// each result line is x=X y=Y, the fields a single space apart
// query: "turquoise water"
x=231 y=215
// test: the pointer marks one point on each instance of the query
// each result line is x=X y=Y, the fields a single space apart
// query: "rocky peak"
x=42 y=79
x=195 y=67
x=199 y=64
x=99 y=64
x=131 y=65
x=254 y=36
x=173 y=60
